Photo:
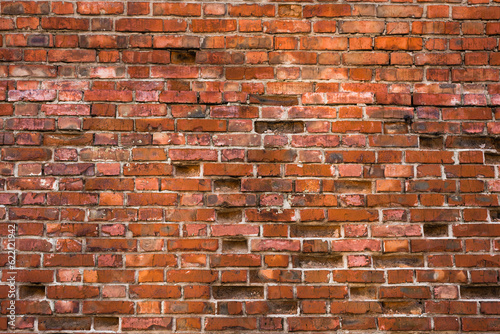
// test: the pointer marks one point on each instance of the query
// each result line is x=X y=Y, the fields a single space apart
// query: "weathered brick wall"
x=269 y=166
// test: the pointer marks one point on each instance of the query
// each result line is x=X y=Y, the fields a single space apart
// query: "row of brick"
x=256 y=307
x=369 y=246
x=287 y=93
x=247 y=134
x=239 y=200
x=395 y=226
x=280 y=88
x=318 y=141
x=249 y=307
x=361 y=189
x=135 y=9
x=145 y=63
x=125 y=141
x=254 y=215
x=386 y=77
x=253 y=92
x=262 y=170
x=293 y=324
x=286 y=289
x=369 y=27
x=468 y=170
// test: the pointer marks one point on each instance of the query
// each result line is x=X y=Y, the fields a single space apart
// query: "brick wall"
x=268 y=166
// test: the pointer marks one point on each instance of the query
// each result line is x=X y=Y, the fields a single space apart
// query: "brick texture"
x=259 y=166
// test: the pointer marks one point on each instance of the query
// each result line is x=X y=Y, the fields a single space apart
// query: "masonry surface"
x=264 y=166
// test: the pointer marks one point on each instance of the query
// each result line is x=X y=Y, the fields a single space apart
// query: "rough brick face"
x=254 y=166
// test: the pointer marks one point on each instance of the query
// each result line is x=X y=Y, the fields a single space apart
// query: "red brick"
x=57 y=23
x=176 y=9
x=475 y=13
x=365 y=58
x=398 y=43
x=404 y=323
x=226 y=150
x=150 y=25
x=145 y=323
x=213 y=25
x=327 y=10
x=363 y=27
x=219 y=324
x=403 y=11
x=99 y=8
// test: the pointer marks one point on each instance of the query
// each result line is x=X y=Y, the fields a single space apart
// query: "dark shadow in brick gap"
x=31 y=292
x=183 y=56
x=279 y=127
x=435 y=230
x=237 y=245
x=480 y=292
x=187 y=170
x=110 y=324
x=274 y=100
